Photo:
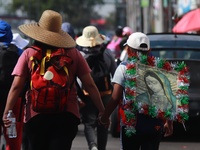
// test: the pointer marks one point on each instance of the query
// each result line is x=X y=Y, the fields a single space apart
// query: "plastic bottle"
x=11 y=131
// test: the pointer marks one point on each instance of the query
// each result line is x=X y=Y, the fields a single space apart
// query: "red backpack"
x=50 y=84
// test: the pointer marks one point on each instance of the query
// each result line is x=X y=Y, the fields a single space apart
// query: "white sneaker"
x=94 y=148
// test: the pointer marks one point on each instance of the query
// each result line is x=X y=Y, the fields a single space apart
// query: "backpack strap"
x=44 y=60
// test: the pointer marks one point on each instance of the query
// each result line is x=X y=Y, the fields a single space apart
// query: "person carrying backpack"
x=9 y=54
x=51 y=66
x=103 y=66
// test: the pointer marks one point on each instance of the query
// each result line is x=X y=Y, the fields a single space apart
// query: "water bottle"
x=11 y=131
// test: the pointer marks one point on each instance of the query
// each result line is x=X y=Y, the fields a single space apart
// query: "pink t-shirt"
x=78 y=68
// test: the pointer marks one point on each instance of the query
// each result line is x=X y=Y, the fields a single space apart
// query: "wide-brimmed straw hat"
x=90 y=37
x=48 y=30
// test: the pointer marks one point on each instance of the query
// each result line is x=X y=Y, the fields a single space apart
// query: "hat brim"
x=86 y=42
x=125 y=44
x=139 y=49
x=60 y=39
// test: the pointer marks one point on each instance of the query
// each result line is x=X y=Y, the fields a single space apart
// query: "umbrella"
x=189 y=22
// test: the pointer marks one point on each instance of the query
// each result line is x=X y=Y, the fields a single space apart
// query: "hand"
x=106 y=123
x=6 y=121
x=81 y=104
x=168 y=128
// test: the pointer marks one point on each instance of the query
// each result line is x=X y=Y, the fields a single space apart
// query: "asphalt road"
x=80 y=143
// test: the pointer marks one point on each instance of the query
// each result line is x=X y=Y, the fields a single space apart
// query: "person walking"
x=52 y=123
x=138 y=130
x=103 y=66
x=114 y=44
x=67 y=27
x=127 y=31
x=22 y=44
x=9 y=54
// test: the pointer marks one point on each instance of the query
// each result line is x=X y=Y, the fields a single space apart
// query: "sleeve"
x=21 y=68
x=119 y=76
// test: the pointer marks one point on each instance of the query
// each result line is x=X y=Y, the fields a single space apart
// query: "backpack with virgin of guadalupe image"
x=50 y=82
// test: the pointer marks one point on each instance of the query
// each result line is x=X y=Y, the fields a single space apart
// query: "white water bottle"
x=11 y=131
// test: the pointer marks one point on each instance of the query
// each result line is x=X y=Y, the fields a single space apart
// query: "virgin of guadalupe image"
x=158 y=92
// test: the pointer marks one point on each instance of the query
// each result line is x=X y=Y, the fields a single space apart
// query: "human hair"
x=119 y=31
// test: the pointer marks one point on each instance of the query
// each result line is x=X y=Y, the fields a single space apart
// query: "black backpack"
x=100 y=71
x=8 y=59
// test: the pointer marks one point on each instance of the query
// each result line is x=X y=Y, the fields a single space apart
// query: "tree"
x=77 y=12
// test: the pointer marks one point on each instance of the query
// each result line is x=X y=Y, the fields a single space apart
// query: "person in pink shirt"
x=51 y=131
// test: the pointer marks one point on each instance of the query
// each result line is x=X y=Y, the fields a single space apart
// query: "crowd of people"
x=95 y=86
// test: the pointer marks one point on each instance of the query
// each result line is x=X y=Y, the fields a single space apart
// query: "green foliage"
x=77 y=12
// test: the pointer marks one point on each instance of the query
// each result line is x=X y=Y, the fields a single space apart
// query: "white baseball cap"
x=138 y=41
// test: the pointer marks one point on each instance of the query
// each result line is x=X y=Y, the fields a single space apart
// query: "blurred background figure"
x=67 y=27
x=9 y=54
x=114 y=44
x=127 y=31
x=103 y=66
x=22 y=44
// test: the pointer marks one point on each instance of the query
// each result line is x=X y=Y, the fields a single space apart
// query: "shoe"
x=94 y=148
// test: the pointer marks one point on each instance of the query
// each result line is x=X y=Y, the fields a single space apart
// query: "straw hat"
x=48 y=30
x=90 y=37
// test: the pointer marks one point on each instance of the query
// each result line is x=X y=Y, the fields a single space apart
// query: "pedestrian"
x=51 y=121
x=127 y=31
x=9 y=54
x=67 y=27
x=22 y=44
x=114 y=44
x=103 y=66
x=140 y=130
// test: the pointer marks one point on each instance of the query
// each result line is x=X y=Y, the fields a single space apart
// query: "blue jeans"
x=91 y=128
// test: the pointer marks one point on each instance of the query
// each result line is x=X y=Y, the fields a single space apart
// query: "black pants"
x=52 y=131
x=149 y=132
